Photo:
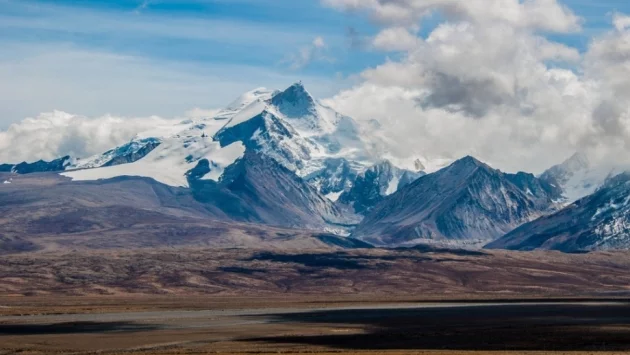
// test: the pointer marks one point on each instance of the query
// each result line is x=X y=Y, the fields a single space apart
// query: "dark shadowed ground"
x=347 y=328
x=533 y=327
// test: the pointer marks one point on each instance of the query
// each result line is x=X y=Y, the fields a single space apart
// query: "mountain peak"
x=298 y=85
x=576 y=176
x=577 y=161
x=468 y=202
x=295 y=101
x=466 y=166
x=297 y=90
x=383 y=164
x=417 y=164
x=469 y=161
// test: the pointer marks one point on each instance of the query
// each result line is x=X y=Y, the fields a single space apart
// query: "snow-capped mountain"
x=288 y=133
x=258 y=189
x=300 y=133
x=577 y=177
x=172 y=159
x=465 y=204
x=128 y=153
x=336 y=177
x=313 y=141
x=285 y=159
x=260 y=94
x=599 y=221
x=125 y=154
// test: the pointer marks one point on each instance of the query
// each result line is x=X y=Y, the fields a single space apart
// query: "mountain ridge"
x=463 y=204
x=595 y=222
x=282 y=158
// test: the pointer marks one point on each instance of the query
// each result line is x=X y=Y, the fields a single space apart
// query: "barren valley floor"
x=204 y=301
x=296 y=325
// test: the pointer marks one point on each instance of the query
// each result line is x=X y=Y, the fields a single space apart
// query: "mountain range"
x=282 y=159
x=467 y=203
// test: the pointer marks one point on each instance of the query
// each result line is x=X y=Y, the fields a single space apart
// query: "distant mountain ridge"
x=284 y=159
x=599 y=221
x=372 y=186
x=37 y=167
x=467 y=203
x=577 y=177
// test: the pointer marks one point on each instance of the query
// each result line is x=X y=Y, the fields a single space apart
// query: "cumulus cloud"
x=488 y=81
x=202 y=113
x=547 y=15
x=55 y=134
x=607 y=66
x=316 y=51
x=621 y=21
x=396 y=39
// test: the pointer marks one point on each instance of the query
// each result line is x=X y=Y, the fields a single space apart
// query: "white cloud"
x=44 y=78
x=621 y=21
x=396 y=39
x=316 y=51
x=486 y=82
x=94 y=60
x=547 y=15
x=58 y=79
x=319 y=42
x=607 y=66
x=55 y=134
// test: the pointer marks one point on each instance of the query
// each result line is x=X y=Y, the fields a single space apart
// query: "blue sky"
x=134 y=57
x=247 y=32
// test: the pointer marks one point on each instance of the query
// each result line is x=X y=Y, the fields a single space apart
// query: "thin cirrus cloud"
x=316 y=51
x=95 y=60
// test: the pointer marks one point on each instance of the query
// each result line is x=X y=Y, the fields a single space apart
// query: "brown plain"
x=206 y=301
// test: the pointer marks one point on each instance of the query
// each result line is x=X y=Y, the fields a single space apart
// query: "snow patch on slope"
x=162 y=131
x=578 y=177
x=99 y=160
x=393 y=184
x=334 y=196
x=247 y=113
x=585 y=182
x=223 y=158
x=245 y=100
x=170 y=161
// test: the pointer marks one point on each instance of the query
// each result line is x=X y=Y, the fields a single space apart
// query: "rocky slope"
x=258 y=189
x=372 y=186
x=600 y=221
x=466 y=204
x=39 y=166
x=47 y=212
